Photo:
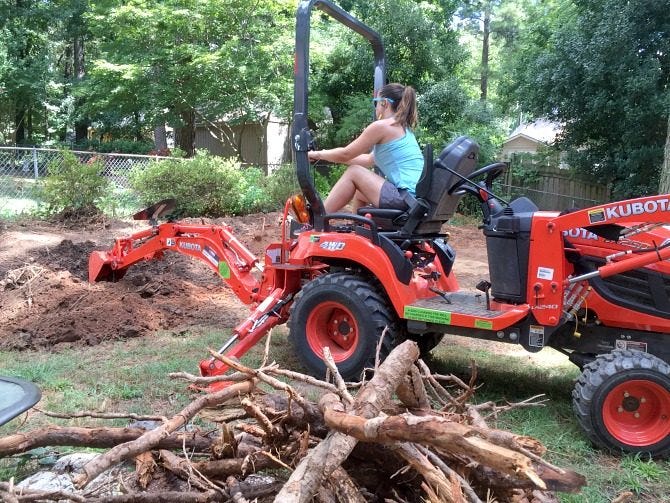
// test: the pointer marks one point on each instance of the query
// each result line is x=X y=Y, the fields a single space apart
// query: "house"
x=530 y=138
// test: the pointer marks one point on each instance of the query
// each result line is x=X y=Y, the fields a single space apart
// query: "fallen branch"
x=94 y=437
x=152 y=438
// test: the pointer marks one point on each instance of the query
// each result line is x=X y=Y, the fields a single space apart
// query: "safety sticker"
x=210 y=255
x=596 y=216
x=545 y=273
x=429 y=315
x=224 y=270
x=486 y=325
x=640 y=346
x=274 y=255
x=536 y=336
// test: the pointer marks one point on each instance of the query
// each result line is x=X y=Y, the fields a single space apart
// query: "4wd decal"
x=332 y=245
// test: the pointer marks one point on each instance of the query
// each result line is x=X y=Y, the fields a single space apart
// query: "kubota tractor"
x=591 y=283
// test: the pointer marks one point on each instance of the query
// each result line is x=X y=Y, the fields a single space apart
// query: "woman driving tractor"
x=388 y=143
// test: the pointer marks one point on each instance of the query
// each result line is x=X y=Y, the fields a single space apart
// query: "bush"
x=116 y=146
x=206 y=185
x=73 y=187
x=282 y=184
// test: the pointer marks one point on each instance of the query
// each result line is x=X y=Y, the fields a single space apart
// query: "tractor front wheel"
x=622 y=401
x=348 y=315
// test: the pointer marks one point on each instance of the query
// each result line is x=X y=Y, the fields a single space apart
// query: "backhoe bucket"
x=100 y=268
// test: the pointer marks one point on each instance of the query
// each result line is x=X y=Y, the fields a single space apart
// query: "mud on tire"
x=622 y=401
x=347 y=314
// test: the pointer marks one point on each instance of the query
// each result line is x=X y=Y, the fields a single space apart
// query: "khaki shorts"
x=392 y=198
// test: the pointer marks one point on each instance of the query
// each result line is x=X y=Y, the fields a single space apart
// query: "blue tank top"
x=400 y=161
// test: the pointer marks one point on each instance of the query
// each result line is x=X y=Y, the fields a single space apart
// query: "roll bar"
x=301 y=135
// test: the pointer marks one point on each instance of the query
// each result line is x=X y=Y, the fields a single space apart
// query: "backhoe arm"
x=215 y=245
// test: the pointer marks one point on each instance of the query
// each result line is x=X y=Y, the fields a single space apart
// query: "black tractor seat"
x=432 y=206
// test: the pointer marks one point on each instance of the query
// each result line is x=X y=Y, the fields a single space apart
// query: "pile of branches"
x=406 y=435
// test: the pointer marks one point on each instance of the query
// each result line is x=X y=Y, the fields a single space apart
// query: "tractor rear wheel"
x=622 y=401
x=347 y=314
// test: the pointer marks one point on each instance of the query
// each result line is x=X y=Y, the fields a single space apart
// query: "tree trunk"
x=160 y=138
x=664 y=185
x=81 y=125
x=187 y=133
x=19 y=124
x=484 y=80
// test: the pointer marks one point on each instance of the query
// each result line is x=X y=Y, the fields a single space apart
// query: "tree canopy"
x=126 y=68
x=601 y=68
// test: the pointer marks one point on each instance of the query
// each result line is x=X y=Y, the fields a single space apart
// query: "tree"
x=602 y=69
x=664 y=185
x=199 y=60
x=421 y=49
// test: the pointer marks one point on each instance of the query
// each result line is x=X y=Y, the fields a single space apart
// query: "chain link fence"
x=21 y=169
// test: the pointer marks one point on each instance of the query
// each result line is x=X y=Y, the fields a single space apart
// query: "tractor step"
x=464 y=309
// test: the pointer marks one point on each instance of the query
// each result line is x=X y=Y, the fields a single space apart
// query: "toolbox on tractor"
x=592 y=283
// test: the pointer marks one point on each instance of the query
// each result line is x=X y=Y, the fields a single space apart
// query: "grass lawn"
x=131 y=376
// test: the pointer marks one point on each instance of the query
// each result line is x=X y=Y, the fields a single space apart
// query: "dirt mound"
x=46 y=300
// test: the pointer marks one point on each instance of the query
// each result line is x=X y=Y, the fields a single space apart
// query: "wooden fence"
x=550 y=186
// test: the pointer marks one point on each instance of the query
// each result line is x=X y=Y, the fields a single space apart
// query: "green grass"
x=131 y=376
x=516 y=378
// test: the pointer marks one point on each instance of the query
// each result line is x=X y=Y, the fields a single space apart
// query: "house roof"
x=541 y=131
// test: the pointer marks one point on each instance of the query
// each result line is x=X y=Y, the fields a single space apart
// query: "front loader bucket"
x=100 y=268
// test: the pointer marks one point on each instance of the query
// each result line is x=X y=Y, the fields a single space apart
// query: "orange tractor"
x=591 y=283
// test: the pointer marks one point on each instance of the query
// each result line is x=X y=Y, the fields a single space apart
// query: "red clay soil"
x=46 y=300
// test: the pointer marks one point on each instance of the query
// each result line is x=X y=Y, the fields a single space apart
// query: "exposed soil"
x=46 y=300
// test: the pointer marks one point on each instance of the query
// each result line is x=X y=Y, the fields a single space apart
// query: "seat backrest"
x=459 y=156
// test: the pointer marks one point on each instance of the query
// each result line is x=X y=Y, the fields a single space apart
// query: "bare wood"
x=261 y=376
x=152 y=438
x=449 y=436
x=101 y=415
x=343 y=488
x=437 y=461
x=94 y=437
x=437 y=482
x=254 y=411
x=341 y=386
x=179 y=466
x=411 y=391
x=203 y=381
x=321 y=461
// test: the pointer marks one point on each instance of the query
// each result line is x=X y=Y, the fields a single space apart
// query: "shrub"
x=73 y=187
x=282 y=184
x=206 y=186
x=116 y=146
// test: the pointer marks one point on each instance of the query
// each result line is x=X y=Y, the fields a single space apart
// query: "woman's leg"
x=358 y=182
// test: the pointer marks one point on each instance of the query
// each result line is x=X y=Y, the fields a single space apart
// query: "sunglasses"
x=377 y=100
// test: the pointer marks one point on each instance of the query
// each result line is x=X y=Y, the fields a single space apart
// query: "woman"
x=394 y=150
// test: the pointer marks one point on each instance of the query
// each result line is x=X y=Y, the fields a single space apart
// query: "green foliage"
x=282 y=184
x=116 y=146
x=602 y=69
x=208 y=186
x=73 y=187
x=324 y=181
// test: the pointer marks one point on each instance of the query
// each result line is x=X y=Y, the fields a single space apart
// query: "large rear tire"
x=347 y=314
x=622 y=401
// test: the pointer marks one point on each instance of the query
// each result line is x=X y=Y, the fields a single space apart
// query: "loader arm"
x=214 y=245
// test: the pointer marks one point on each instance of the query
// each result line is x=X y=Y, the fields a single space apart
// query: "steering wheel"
x=492 y=171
